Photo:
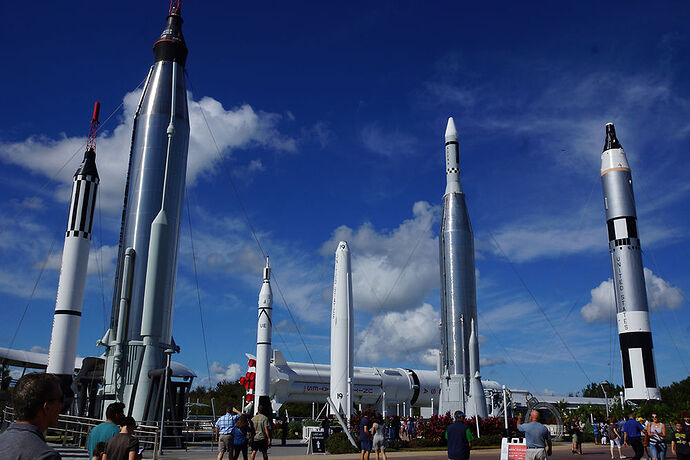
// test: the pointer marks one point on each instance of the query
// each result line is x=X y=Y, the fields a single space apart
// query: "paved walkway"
x=296 y=451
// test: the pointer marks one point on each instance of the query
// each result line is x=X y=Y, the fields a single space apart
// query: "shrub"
x=339 y=444
x=310 y=422
x=398 y=444
x=434 y=428
x=419 y=443
x=295 y=428
x=488 y=440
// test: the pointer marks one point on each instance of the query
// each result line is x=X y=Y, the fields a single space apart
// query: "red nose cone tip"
x=611 y=141
x=171 y=45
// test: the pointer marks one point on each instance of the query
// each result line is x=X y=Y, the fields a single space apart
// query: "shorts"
x=379 y=444
x=225 y=443
x=365 y=444
x=616 y=442
x=260 y=446
x=535 y=453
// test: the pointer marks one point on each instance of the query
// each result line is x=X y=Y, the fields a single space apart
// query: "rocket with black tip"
x=140 y=333
x=461 y=387
x=632 y=312
x=75 y=259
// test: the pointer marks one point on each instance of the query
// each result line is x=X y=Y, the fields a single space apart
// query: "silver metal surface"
x=459 y=384
x=146 y=186
x=458 y=298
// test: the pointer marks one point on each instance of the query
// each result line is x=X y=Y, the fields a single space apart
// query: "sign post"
x=317 y=442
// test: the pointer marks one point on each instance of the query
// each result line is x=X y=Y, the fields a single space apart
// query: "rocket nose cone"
x=342 y=246
x=88 y=165
x=611 y=141
x=171 y=45
x=451 y=132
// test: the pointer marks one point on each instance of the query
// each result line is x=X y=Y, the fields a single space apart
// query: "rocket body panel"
x=458 y=280
x=632 y=311
x=342 y=333
x=307 y=382
x=68 y=305
x=146 y=187
x=73 y=269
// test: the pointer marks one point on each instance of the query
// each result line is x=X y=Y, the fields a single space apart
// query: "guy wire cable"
x=249 y=223
x=28 y=203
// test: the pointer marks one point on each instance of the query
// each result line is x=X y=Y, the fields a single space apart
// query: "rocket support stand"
x=346 y=430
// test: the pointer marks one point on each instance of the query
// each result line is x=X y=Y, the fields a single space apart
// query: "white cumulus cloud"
x=401 y=336
x=233 y=128
x=660 y=295
x=220 y=372
x=392 y=269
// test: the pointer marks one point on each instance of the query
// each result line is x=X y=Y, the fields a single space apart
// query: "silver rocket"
x=634 y=332
x=342 y=333
x=141 y=321
x=263 y=338
x=460 y=379
x=75 y=259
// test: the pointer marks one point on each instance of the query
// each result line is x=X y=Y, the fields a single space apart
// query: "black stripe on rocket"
x=80 y=221
x=642 y=341
x=262 y=311
x=623 y=232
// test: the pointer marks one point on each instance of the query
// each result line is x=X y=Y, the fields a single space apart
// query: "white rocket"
x=263 y=338
x=342 y=333
x=75 y=259
x=634 y=332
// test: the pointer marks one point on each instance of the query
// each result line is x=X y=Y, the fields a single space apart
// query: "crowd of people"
x=37 y=400
x=647 y=438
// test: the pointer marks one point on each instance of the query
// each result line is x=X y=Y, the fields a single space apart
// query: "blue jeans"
x=658 y=451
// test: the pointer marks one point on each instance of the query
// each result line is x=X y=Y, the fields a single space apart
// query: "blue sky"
x=330 y=118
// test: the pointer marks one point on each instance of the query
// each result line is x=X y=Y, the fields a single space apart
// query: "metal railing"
x=73 y=431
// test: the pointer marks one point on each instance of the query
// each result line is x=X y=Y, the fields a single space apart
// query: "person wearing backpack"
x=240 y=436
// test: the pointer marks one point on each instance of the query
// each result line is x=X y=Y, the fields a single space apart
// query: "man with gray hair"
x=37 y=400
x=537 y=437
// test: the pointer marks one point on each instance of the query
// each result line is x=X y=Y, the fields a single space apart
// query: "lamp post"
x=168 y=355
x=601 y=384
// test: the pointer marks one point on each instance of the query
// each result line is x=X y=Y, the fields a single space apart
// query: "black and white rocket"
x=634 y=332
x=263 y=338
x=461 y=387
x=75 y=259
x=141 y=322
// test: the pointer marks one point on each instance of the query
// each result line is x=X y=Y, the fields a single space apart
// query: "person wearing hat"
x=537 y=437
x=459 y=438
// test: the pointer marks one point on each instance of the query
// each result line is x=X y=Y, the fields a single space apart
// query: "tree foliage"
x=594 y=390
x=225 y=394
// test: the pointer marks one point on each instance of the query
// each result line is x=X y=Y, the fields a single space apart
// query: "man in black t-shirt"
x=124 y=445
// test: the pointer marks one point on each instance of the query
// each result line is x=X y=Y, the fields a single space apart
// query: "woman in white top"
x=657 y=433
